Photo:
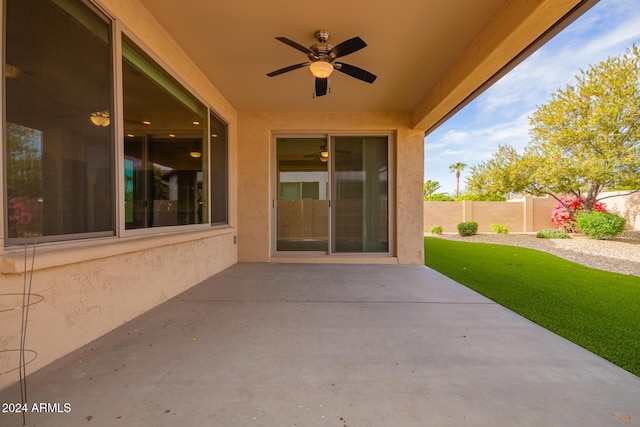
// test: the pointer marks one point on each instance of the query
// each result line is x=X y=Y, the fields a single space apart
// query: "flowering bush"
x=564 y=215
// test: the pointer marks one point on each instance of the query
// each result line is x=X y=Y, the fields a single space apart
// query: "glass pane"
x=59 y=145
x=219 y=172
x=165 y=157
x=303 y=206
x=361 y=189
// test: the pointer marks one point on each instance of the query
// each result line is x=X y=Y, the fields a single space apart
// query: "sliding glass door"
x=360 y=194
x=302 y=200
x=332 y=195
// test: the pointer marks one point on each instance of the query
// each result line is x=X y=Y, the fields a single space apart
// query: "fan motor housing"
x=322 y=49
x=322 y=52
x=322 y=35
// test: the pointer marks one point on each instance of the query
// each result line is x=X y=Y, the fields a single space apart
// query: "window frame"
x=119 y=134
x=227 y=175
x=392 y=230
x=120 y=137
x=12 y=242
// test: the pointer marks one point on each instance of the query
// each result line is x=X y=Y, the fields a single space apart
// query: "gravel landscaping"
x=620 y=255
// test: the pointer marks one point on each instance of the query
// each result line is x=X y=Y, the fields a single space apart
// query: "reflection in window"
x=164 y=146
x=361 y=221
x=219 y=171
x=302 y=200
x=59 y=161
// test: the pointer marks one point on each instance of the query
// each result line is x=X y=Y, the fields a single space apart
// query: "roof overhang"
x=431 y=57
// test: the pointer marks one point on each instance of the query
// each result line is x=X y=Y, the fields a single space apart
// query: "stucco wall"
x=255 y=132
x=84 y=300
x=93 y=287
x=627 y=206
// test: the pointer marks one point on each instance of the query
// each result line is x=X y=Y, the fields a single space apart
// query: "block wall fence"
x=526 y=215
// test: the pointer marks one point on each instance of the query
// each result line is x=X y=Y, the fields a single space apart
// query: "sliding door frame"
x=329 y=137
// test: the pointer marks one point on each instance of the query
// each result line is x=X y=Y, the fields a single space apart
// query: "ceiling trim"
x=515 y=32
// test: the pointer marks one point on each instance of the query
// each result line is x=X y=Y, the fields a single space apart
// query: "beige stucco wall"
x=255 y=178
x=626 y=205
x=92 y=287
x=84 y=300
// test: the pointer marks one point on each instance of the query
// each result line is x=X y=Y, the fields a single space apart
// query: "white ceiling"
x=410 y=45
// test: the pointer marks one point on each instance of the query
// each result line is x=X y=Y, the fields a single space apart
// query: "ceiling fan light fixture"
x=100 y=118
x=11 y=71
x=321 y=69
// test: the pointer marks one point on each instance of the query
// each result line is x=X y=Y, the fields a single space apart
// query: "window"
x=165 y=146
x=59 y=161
x=219 y=171
x=299 y=190
x=59 y=137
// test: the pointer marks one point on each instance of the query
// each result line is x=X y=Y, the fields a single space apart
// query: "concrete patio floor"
x=331 y=345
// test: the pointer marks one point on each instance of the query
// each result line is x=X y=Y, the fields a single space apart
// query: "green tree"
x=24 y=162
x=440 y=197
x=499 y=175
x=585 y=139
x=430 y=187
x=457 y=168
x=481 y=197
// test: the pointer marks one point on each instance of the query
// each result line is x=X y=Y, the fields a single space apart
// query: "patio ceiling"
x=429 y=55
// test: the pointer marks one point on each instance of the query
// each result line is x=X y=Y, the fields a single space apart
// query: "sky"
x=501 y=114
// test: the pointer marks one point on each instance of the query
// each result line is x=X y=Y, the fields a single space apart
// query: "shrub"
x=552 y=233
x=438 y=198
x=468 y=228
x=500 y=229
x=567 y=210
x=600 y=225
x=436 y=229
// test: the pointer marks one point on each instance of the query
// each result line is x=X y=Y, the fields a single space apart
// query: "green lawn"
x=595 y=309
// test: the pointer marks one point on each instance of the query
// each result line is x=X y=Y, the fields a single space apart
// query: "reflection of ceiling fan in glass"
x=323 y=154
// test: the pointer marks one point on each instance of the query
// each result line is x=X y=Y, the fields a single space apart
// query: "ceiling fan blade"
x=347 y=47
x=287 y=69
x=356 y=72
x=321 y=86
x=295 y=45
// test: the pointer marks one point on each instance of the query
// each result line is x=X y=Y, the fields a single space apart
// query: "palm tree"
x=457 y=168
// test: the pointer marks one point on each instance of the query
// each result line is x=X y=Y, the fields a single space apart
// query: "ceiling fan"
x=322 y=60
